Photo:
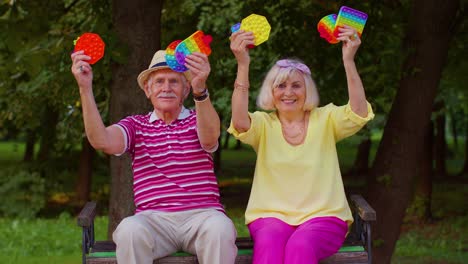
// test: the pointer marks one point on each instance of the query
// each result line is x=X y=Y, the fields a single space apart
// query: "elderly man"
x=175 y=189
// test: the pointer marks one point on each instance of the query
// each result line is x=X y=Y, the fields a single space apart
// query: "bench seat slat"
x=103 y=252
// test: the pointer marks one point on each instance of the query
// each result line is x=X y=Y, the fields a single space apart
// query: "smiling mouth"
x=288 y=101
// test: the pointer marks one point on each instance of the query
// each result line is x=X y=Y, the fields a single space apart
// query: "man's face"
x=167 y=90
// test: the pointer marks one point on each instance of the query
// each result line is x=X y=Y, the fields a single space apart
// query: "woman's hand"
x=351 y=42
x=239 y=42
x=82 y=70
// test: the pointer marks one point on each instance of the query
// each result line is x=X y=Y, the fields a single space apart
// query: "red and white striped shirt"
x=171 y=171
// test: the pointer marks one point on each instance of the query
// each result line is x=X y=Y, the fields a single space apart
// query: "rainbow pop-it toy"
x=326 y=26
x=197 y=42
x=178 y=50
x=171 y=58
x=258 y=25
x=351 y=17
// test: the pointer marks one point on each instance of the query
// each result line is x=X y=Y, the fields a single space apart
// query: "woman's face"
x=290 y=95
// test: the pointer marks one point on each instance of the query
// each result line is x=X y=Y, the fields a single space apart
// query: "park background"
x=410 y=162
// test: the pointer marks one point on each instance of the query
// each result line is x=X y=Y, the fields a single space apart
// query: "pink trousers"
x=276 y=242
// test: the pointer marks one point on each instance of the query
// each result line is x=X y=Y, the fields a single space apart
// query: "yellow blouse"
x=297 y=183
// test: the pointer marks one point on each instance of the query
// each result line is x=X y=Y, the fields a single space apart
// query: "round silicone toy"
x=92 y=45
x=171 y=58
x=258 y=25
x=326 y=26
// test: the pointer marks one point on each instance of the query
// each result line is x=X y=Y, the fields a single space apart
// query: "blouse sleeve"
x=251 y=136
x=346 y=122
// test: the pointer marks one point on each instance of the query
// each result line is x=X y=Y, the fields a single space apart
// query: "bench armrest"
x=86 y=221
x=365 y=211
x=87 y=214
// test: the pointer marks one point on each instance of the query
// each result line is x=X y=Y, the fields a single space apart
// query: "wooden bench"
x=356 y=249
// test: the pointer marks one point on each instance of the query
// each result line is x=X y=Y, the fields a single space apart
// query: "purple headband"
x=293 y=64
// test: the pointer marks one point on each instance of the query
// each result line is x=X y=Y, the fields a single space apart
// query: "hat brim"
x=144 y=75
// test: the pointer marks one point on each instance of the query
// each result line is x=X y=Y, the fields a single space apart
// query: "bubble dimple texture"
x=171 y=57
x=326 y=26
x=92 y=45
x=258 y=25
x=197 y=42
x=351 y=17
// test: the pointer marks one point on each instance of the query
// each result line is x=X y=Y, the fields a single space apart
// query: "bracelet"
x=202 y=97
x=242 y=87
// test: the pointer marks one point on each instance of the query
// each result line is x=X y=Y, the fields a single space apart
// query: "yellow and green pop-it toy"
x=256 y=24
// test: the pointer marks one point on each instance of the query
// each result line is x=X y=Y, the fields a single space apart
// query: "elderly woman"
x=297 y=210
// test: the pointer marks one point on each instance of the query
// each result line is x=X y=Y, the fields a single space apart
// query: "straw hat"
x=157 y=63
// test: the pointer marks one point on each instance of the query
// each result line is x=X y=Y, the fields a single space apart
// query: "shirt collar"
x=184 y=113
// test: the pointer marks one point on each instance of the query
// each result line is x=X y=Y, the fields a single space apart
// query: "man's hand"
x=199 y=67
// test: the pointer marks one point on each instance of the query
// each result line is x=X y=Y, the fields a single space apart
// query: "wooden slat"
x=103 y=246
x=242 y=243
x=338 y=258
x=365 y=211
x=346 y=258
x=87 y=214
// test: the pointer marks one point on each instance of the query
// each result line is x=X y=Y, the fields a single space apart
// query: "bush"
x=25 y=191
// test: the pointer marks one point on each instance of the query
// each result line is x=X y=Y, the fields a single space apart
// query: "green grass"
x=49 y=241
x=441 y=242
x=10 y=151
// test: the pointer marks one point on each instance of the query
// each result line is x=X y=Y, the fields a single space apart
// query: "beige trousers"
x=150 y=235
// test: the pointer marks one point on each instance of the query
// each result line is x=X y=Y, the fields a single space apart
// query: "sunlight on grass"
x=11 y=151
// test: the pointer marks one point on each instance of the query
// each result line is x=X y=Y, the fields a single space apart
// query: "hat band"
x=159 y=64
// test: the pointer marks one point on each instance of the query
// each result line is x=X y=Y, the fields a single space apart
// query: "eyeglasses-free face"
x=166 y=89
x=290 y=95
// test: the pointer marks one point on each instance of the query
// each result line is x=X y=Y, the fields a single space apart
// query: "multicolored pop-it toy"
x=171 y=58
x=257 y=24
x=326 y=26
x=92 y=45
x=178 y=50
x=351 y=17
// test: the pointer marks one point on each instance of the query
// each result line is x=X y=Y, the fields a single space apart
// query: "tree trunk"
x=453 y=128
x=85 y=172
x=138 y=25
x=397 y=159
x=423 y=193
x=48 y=134
x=440 y=145
x=226 y=140
x=29 y=148
x=361 y=163
x=465 y=166
x=238 y=145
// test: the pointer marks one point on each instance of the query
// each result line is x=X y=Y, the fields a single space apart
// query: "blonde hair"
x=278 y=75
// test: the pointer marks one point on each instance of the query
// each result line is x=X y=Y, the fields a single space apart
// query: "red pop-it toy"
x=92 y=45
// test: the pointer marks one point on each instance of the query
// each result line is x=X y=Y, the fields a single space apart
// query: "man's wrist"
x=199 y=97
